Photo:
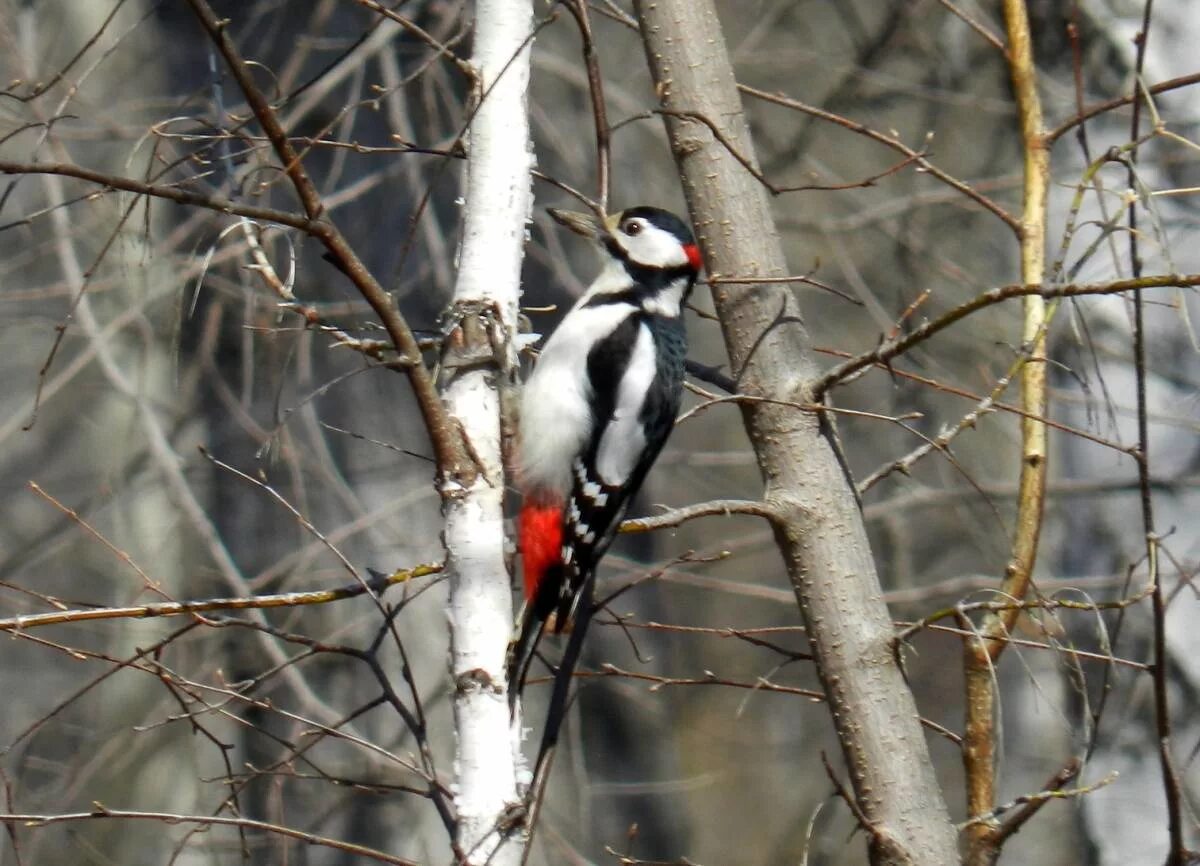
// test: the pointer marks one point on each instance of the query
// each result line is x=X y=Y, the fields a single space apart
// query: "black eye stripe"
x=647 y=279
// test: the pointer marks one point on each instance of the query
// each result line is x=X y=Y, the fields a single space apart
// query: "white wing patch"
x=623 y=439
x=595 y=493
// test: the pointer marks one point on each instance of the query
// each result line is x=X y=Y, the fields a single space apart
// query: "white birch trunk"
x=497 y=207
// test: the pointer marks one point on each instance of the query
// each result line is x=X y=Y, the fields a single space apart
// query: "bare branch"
x=976 y=25
x=888 y=141
x=579 y=9
x=980 y=654
x=376 y=585
x=716 y=508
x=100 y=812
x=894 y=348
x=447 y=444
x=165 y=191
x=1120 y=101
x=819 y=526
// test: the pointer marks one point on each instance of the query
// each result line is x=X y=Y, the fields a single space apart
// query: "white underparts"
x=556 y=415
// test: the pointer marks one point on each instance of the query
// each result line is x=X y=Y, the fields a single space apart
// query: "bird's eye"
x=631 y=227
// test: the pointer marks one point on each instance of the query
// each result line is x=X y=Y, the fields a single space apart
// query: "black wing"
x=637 y=419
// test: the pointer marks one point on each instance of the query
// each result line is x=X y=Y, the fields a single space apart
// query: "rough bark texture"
x=478 y=353
x=819 y=529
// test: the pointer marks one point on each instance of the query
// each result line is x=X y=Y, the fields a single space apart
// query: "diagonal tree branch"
x=818 y=525
x=452 y=457
x=171 y=192
x=100 y=813
x=377 y=584
x=888 y=141
x=891 y=349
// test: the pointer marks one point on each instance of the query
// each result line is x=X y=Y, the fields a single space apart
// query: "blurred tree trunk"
x=478 y=351
x=818 y=523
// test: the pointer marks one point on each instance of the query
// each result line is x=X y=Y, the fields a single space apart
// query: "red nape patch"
x=693 y=254
x=541 y=535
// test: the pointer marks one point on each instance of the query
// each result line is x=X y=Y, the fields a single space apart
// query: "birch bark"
x=479 y=354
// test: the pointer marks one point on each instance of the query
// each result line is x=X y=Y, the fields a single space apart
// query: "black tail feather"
x=559 y=698
x=521 y=651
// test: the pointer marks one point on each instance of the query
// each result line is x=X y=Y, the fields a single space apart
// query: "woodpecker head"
x=641 y=238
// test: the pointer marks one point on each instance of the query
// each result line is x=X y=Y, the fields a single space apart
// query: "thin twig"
x=894 y=348
x=747 y=163
x=447 y=442
x=579 y=9
x=1030 y=805
x=807 y=279
x=714 y=508
x=1119 y=101
x=976 y=25
x=170 y=192
x=888 y=141
x=1177 y=854
x=425 y=36
x=376 y=584
x=100 y=812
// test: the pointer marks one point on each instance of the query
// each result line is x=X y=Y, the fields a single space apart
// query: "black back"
x=591 y=520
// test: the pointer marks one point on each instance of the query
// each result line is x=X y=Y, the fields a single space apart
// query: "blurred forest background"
x=134 y=335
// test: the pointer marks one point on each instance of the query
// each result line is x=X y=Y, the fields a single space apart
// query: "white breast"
x=556 y=418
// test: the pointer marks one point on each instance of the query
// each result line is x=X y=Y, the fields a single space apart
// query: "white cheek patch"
x=653 y=248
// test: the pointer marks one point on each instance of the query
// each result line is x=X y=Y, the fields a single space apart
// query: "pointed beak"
x=585 y=224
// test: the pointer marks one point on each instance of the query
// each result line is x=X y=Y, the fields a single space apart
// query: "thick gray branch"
x=819 y=527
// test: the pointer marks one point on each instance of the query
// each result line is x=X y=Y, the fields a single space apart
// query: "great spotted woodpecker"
x=596 y=411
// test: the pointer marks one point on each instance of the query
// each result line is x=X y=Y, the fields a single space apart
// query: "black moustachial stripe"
x=648 y=280
x=631 y=296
